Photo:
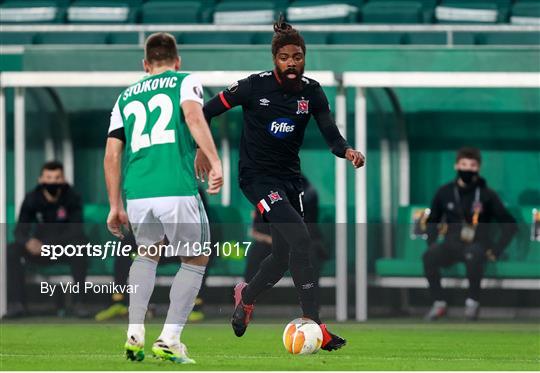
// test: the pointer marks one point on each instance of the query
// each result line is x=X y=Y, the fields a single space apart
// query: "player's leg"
x=304 y=275
x=474 y=258
x=254 y=257
x=185 y=221
x=142 y=273
x=119 y=301
x=436 y=257
x=272 y=268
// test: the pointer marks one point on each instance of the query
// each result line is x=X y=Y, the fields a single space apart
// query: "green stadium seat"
x=463 y=12
x=171 y=12
x=123 y=38
x=216 y=38
x=239 y=12
x=509 y=38
x=526 y=14
x=10 y=214
x=31 y=11
x=464 y=38
x=16 y=38
x=392 y=12
x=262 y=37
x=531 y=232
x=310 y=37
x=363 y=38
x=425 y=38
x=88 y=11
x=305 y=11
x=72 y=38
x=414 y=268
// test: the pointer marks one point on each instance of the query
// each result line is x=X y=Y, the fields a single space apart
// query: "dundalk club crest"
x=303 y=107
x=274 y=197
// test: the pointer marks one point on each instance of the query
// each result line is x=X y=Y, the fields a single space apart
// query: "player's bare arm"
x=201 y=134
x=112 y=164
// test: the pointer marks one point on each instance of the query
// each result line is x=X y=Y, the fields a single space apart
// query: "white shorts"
x=182 y=219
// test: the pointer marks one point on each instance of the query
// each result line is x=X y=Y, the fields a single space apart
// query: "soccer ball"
x=302 y=336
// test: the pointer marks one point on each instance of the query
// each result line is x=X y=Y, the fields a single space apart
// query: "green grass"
x=371 y=346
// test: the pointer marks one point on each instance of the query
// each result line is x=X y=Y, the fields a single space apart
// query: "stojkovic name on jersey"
x=281 y=127
x=149 y=85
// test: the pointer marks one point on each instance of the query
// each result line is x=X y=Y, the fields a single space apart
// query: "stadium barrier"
x=451 y=31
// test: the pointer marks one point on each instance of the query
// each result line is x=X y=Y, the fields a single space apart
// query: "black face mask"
x=467 y=176
x=52 y=188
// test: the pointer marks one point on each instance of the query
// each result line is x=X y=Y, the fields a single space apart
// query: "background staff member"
x=467 y=205
x=50 y=214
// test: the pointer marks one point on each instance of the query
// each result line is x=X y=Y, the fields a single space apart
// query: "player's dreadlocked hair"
x=285 y=34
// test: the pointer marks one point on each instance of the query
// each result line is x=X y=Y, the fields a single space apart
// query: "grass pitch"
x=390 y=345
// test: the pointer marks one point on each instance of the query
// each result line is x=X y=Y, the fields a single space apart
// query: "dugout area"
x=434 y=122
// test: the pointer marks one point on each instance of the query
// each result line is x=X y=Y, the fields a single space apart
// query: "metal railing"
x=143 y=30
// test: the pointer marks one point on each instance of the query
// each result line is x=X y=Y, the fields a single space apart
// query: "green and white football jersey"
x=159 y=149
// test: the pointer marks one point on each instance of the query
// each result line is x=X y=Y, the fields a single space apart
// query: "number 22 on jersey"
x=158 y=134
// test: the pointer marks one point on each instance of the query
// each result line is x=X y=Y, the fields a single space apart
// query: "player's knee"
x=201 y=260
x=300 y=241
x=474 y=256
x=278 y=264
x=427 y=258
x=300 y=259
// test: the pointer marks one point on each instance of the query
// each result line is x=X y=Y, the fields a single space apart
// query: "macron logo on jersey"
x=281 y=128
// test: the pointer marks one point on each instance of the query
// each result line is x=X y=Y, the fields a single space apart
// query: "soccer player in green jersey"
x=153 y=125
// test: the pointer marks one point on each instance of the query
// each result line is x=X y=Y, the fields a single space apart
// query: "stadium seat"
x=425 y=38
x=171 y=12
x=526 y=13
x=509 y=38
x=215 y=38
x=310 y=37
x=72 y=38
x=464 y=38
x=123 y=38
x=467 y=12
x=305 y=11
x=16 y=38
x=239 y=12
x=392 y=12
x=31 y=11
x=262 y=37
x=363 y=38
x=531 y=217
x=91 y=11
x=10 y=214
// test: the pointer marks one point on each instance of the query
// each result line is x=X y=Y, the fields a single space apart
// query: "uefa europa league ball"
x=302 y=336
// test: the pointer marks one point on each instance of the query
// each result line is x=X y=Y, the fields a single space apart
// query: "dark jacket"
x=53 y=223
x=445 y=208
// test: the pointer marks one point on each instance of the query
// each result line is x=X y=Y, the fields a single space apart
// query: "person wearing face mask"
x=50 y=214
x=467 y=206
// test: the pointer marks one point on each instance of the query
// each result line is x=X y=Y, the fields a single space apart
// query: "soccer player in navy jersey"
x=277 y=106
